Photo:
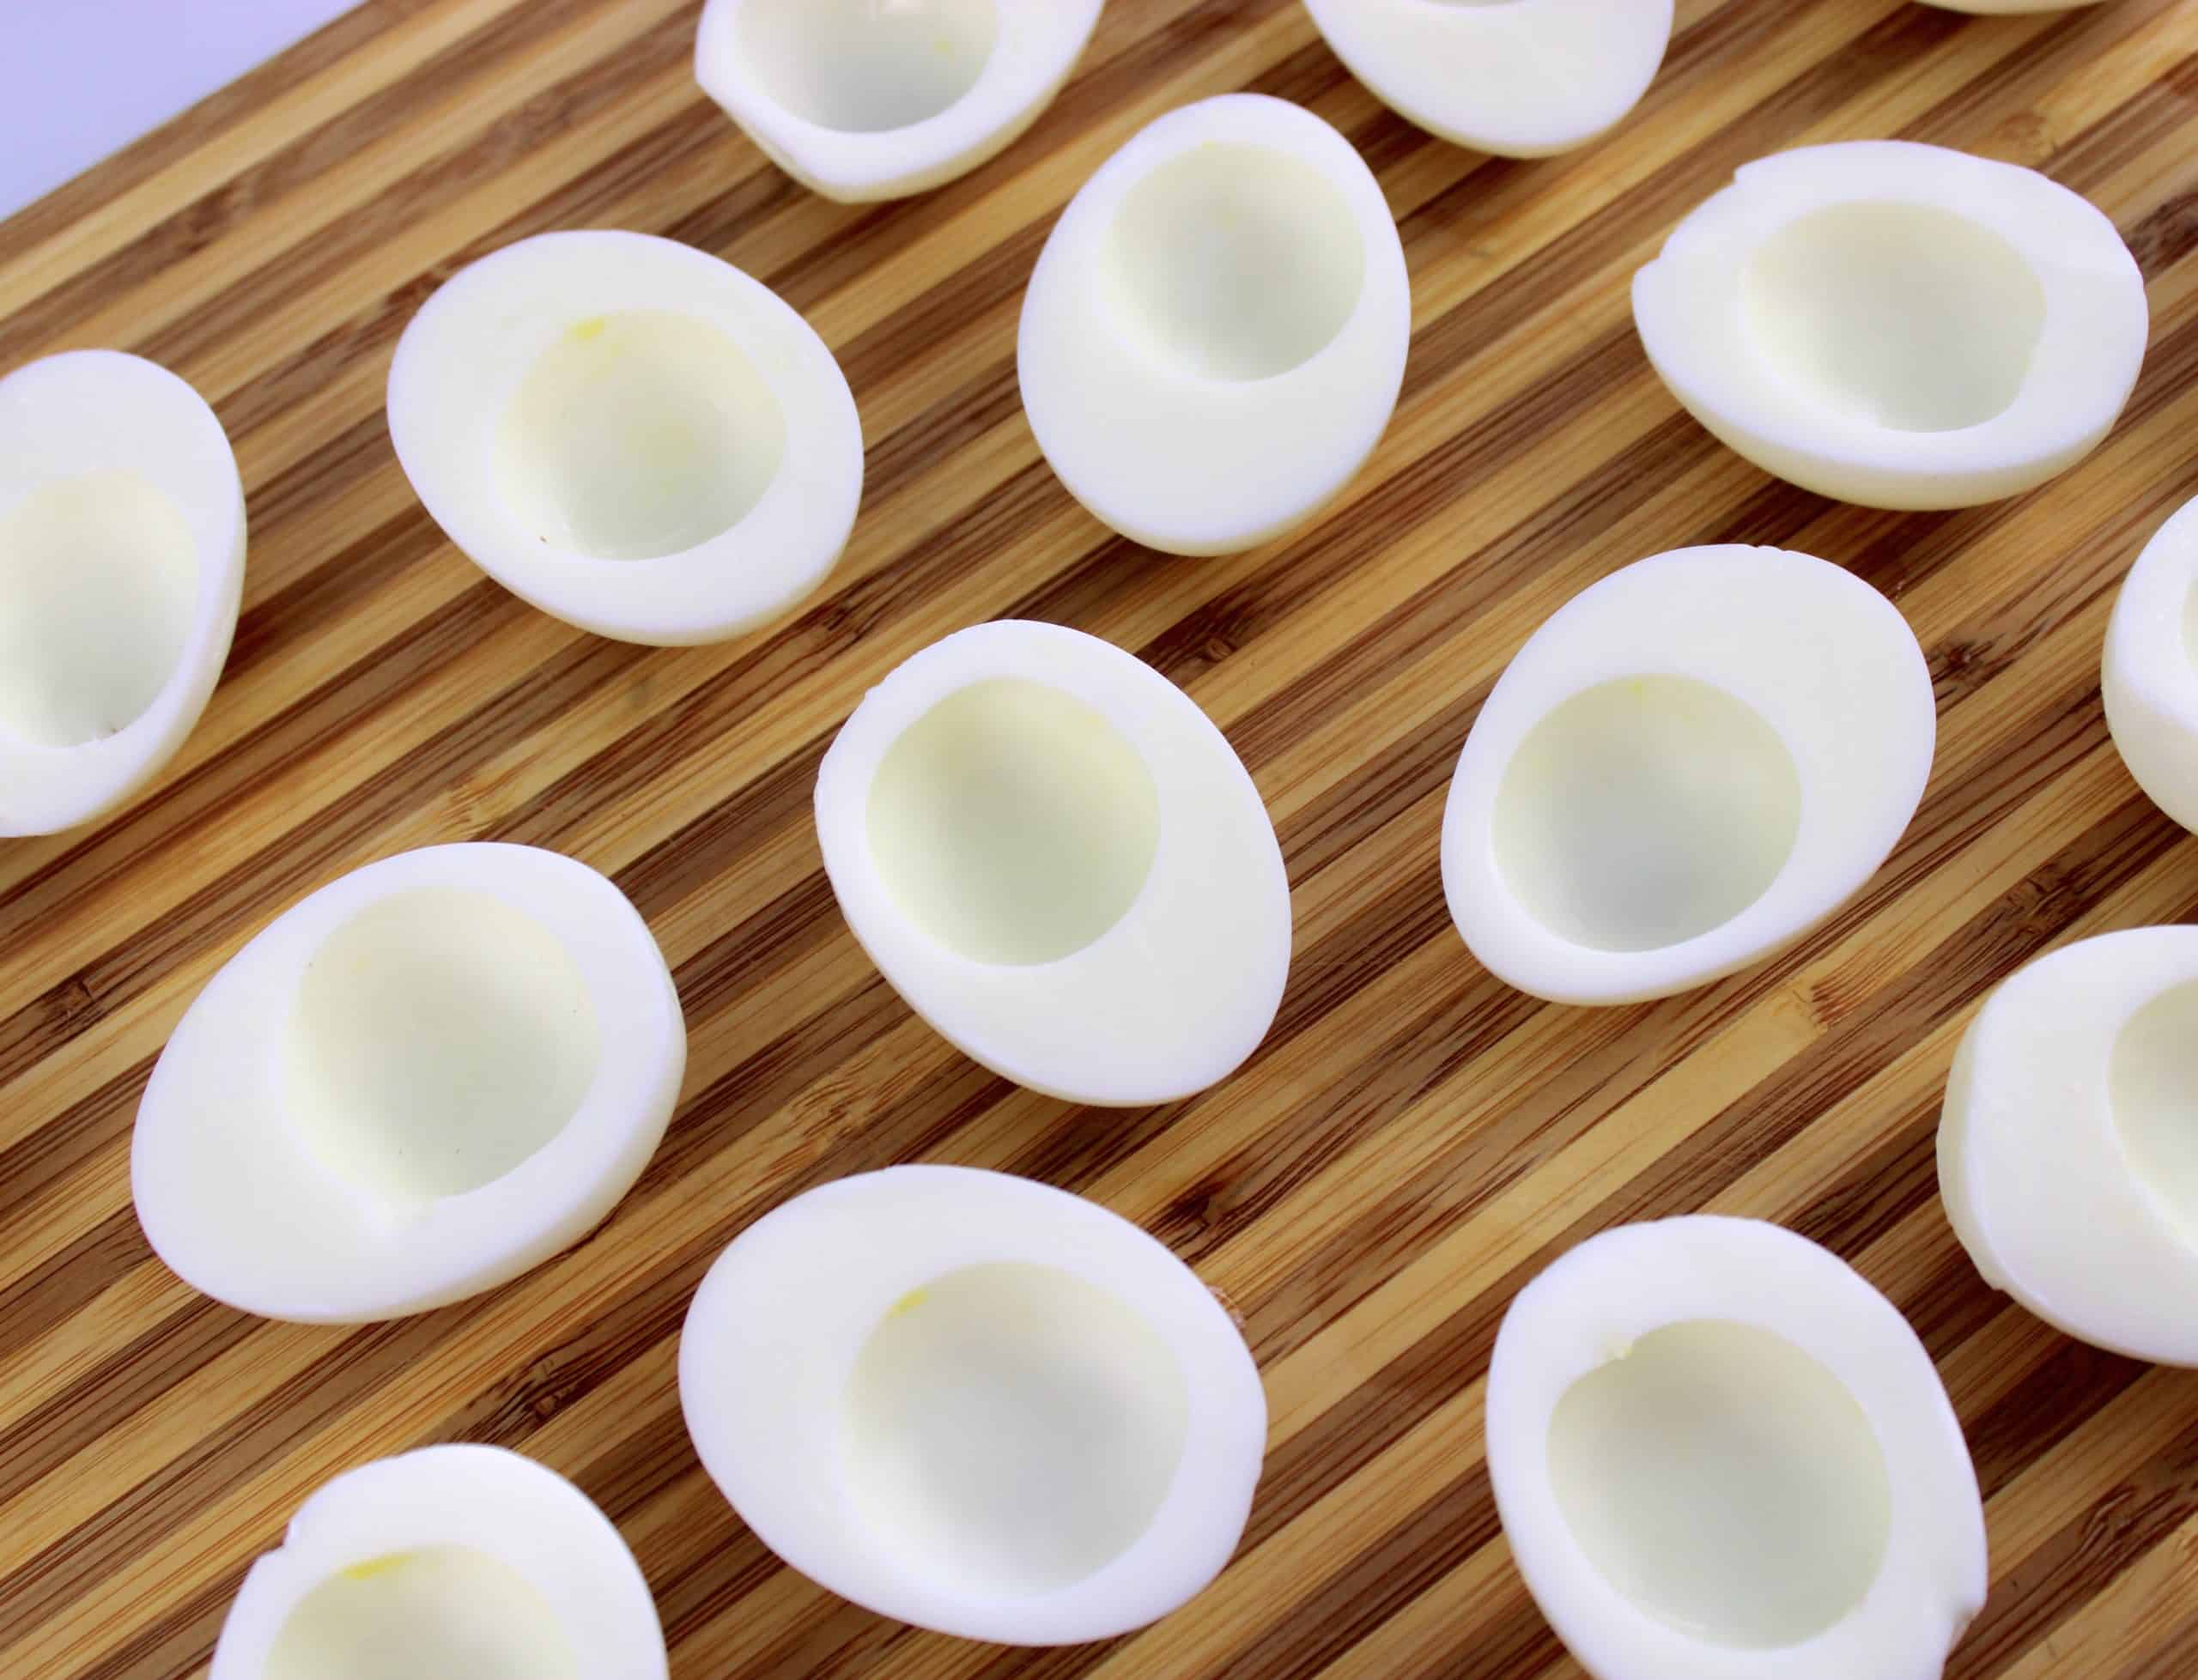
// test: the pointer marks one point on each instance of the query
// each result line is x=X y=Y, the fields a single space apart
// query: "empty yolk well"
x=1904 y=316
x=1234 y=261
x=638 y=434
x=1645 y=812
x=439 y=1037
x=862 y=68
x=1013 y=822
x=1011 y=1428
x=1724 y=1481
x=2153 y=1085
x=420 y=1615
x=98 y=577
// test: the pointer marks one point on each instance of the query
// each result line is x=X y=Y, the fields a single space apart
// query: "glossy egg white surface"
x=1214 y=338
x=414 y=1084
x=454 y=1562
x=975 y=1403
x=1687 y=767
x=1524 y=78
x=2149 y=674
x=1898 y=324
x=859 y=100
x=1060 y=863
x=1718 y=1453
x=633 y=435
x=121 y=566
x=2067 y=1158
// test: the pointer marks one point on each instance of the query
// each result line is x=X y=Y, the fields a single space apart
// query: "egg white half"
x=1214 y=338
x=414 y=1084
x=1898 y=324
x=633 y=435
x=121 y=566
x=1524 y=78
x=1060 y=863
x=860 y=102
x=1719 y=1454
x=2149 y=673
x=975 y=1403
x=1687 y=767
x=2065 y=1156
x=445 y=1562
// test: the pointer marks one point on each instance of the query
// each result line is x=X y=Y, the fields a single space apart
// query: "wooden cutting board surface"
x=1414 y=1140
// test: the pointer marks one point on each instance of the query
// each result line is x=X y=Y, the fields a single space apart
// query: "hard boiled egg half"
x=1687 y=767
x=446 y=1562
x=1898 y=324
x=2149 y=676
x=1060 y=863
x=630 y=433
x=432 y=1073
x=1214 y=334
x=862 y=99
x=2066 y=1156
x=121 y=565
x=1719 y=1454
x=1524 y=78
x=975 y=1403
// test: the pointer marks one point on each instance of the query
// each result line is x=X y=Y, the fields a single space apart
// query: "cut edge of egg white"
x=1691 y=764
x=1898 y=324
x=443 y=1560
x=429 y=1075
x=1059 y=862
x=1525 y=78
x=2008 y=7
x=1214 y=338
x=630 y=433
x=2066 y=1158
x=860 y=102
x=2148 y=672
x=992 y=1409
x=122 y=543
x=1718 y=1453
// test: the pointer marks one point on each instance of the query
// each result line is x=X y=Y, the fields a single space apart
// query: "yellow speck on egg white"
x=908 y=1302
x=377 y=1566
x=590 y=328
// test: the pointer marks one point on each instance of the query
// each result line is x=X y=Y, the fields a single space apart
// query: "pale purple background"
x=81 y=78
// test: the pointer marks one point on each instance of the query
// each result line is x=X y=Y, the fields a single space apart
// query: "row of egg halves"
x=993 y=1408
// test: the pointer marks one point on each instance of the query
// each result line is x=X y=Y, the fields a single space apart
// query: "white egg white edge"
x=1526 y=79
x=1686 y=307
x=231 y=1202
x=1033 y=55
x=86 y=411
x=462 y=359
x=2008 y=7
x=1601 y=1297
x=1183 y=463
x=774 y=1330
x=1808 y=646
x=520 y=1512
x=2032 y=1171
x=1179 y=991
x=2146 y=676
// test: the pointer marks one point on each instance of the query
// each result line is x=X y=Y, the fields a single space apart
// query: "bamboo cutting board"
x=1413 y=1141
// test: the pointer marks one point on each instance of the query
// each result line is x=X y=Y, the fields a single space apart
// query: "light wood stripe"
x=1413 y=1142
